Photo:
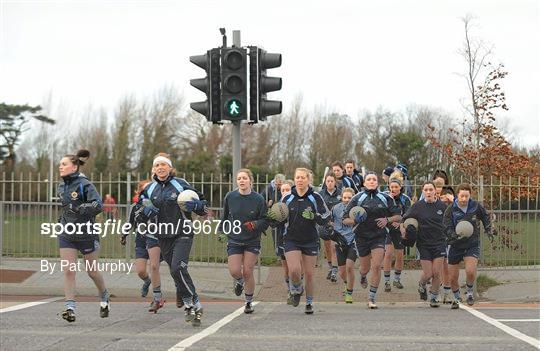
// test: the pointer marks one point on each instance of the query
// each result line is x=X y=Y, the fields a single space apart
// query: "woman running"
x=345 y=244
x=465 y=249
x=430 y=242
x=157 y=204
x=300 y=239
x=394 y=243
x=331 y=196
x=370 y=230
x=242 y=223
x=80 y=205
x=146 y=248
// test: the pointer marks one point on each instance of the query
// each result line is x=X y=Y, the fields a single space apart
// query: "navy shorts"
x=344 y=253
x=142 y=244
x=395 y=239
x=239 y=249
x=85 y=247
x=431 y=253
x=364 y=246
x=308 y=249
x=456 y=255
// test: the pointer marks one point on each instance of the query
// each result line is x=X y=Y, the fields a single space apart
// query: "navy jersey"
x=243 y=208
x=430 y=222
x=297 y=228
x=377 y=205
x=358 y=180
x=80 y=204
x=163 y=195
x=475 y=214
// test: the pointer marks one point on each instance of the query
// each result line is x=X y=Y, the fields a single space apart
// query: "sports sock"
x=457 y=295
x=349 y=291
x=387 y=276
x=469 y=289
x=157 y=293
x=70 y=305
x=372 y=292
x=397 y=275
x=105 y=296
x=249 y=297
x=309 y=300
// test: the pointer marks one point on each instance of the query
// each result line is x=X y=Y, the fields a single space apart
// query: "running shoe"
x=156 y=305
x=470 y=300
x=189 y=314
x=434 y=303
x=397 y=284
x=329 y=275
x=238 y=288
x=309 y=309
x=144 y=288
x=448 y=298
x=348 y=298
x=69 y=315
x=423 y=292
x=455 y=304
x=249 y=308
x=387 y=287
x=363 y=282
x=371 y=304
x=104 y=308
x=197 y=316
x=333 y=277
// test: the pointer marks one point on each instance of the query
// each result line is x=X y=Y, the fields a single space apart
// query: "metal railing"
x=25 y=204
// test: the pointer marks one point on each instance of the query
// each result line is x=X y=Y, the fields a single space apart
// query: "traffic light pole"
x=236 y=125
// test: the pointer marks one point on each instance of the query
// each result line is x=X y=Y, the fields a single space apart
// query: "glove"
x=360 y=218
x=308 y=214
x=452 y=239
x=223 y=238
x=194 y=205
x=250 y=226
x=149 y=209
x=72 y=209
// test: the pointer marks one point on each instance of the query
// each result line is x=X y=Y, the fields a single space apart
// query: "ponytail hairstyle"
x=80 y=158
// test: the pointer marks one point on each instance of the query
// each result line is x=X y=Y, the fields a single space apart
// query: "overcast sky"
x=348 y=55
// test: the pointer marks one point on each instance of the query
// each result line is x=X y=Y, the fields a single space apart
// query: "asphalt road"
x=273 y=326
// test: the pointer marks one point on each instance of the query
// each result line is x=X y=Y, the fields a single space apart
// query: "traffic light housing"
x=234 y=83
x=261 y=84
x=210 y=85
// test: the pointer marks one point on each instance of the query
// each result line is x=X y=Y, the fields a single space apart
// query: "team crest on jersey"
x=439 y=212
x=74 y=195
x=339 y=197
x=174 y=195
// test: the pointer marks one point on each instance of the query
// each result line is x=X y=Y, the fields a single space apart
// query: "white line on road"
x=184 y=344
x=29 y=304
x=518 y=320
x=529 y=340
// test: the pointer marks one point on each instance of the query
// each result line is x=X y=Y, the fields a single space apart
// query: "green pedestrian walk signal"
x=233 y=108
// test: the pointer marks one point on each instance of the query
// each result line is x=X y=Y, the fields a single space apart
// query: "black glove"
x=452 y=239
x=72 y=209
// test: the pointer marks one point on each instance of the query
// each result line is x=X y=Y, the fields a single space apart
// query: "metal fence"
x=27 y=202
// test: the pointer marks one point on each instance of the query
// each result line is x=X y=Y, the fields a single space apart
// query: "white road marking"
x=529 y=340
x=184 y=344
x=518 y=320
x=29 y=304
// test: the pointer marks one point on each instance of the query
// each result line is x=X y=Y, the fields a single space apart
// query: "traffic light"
x=234 y=83
x=210 y=85
x=260 y=84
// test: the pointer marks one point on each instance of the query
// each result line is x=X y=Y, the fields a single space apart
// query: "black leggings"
x=175 y=252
